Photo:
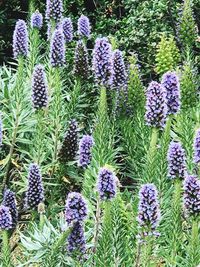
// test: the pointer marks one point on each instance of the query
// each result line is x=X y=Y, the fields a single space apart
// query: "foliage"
x=134 y=152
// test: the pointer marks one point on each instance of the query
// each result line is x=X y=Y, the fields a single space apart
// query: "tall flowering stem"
x=192 y=209
x=170 y=82
x=5 y=225
x=156 y=111
x=176 y=171
x=57 y=61
x=20 y=51
x=35 y=39
x=54 y=10
x=39 y=103
x=148 y=219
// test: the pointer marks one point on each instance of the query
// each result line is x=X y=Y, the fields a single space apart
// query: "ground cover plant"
x=99 y=165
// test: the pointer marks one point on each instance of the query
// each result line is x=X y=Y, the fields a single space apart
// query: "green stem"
x=147 y=252
x=153 y=144
x=6 y=249
x=40 y=135
x=97 y=224
x=168 y=129
x=194 y=243
x=103 y=104
x=176 y=219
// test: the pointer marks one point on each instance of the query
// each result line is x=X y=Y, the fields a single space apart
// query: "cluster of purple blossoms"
x=67 y=28
x=76 y=239
x=156 y=107
x=20 y=39
x=101 y=61
x=75 y=208
x=9 y=200
x=81 y=64
x=118 y=77
x=148 y=210
x=35 y=191
x=107 y=184
x=54 y=10
x=197 y=147
x=36 y=20
x=69 y=146
x=5 y=218
x=170 y=82
x=192 y=195
x=176 y=161
x=85 y=147
x=84 y=27
x=57 y=49
x=39 y=88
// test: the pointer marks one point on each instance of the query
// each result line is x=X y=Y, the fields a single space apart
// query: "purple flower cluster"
x=84 y=26
x=76 y=239
x=170 y=82
x=107 y=184
x=81 y=65
x=69 y=146
x=54 y=10
x=9 y=200
x=67 y=28
x=35 y=191
x=57 y=50
x=197 y=147
x=176 y=161
x=156 y=107
x=36 y=20
x=148 y=210
x=20 y=39
x=192 y=195
x=75 y=208
x=118 y=77
x=5 y=218
x=85 y=147
x=101 y=61
x=39 y=88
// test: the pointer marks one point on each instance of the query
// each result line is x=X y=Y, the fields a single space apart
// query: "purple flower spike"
x=118 y=77
x=170 y=82
x=35 y=192
x=36 y=20
x=81 y=65
x=84 y=26
x=54 y=10
x=5 y=218
x=192 y=195
x=9 y=200
x=67 y=28
x=101 y=61
x=39 y=88
x=69 y=146
x=85 y=147
x=75 y=208
x=176 y=161
x=76 y=239
x=20 y=39
x=148 y=210
x=197 y=147
x=57 y=50
x=156 y=107
x=107 y=184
